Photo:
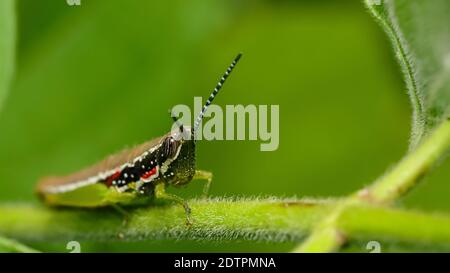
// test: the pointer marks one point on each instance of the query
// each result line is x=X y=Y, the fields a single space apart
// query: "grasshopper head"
x=178 y=148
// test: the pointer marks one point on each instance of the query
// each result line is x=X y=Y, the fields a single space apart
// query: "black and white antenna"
x=214 y=93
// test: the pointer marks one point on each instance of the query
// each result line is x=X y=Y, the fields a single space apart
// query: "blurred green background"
x=95 y=78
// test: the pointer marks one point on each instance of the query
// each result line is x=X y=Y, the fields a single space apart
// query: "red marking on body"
x=149 y=173
x=111 y=178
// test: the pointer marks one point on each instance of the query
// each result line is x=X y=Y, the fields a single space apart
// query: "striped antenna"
x=214 y=93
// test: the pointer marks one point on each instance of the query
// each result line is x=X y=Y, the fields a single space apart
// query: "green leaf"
x=7 y=46
x=420 y=33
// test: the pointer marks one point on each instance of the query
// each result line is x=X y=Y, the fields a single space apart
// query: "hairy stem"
x=213 y=219
x=383 y=13
x=414 y=166
x=378 y=223
x=325 y=237
x=359 y=221
x=273 y=220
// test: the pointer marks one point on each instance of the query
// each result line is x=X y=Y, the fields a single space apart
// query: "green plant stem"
x=213 y=219
x=271 y=220
x=7 y=46
x=414 y=166
x=8 y=245
x=364 y=222
x=325 y=237
x=388 y=22
x=379 y=223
